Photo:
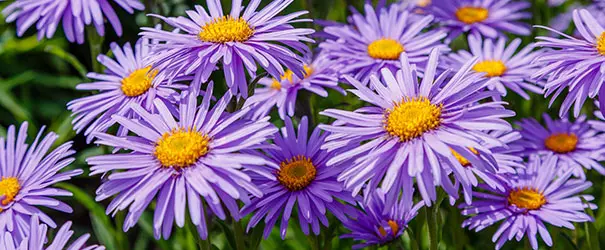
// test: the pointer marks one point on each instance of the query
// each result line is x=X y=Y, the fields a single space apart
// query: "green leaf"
x=71 y=59
x=9 y=102
x=96 y=210
x=592 y=235
x=103 y=233
x=17 y=80
x=146 y=224
x=62 y=126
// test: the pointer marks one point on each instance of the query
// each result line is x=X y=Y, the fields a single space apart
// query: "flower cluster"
x=426 y=118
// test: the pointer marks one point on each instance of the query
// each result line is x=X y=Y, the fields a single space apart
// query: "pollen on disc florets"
x=470 y=14
x=226 y=29
x=181 y=148
x=9 y=188
x=394 y=228
x=385 y=49
x=561 y=142
x=412 y=117
x=527 y=198
x=601 y=44
x=138 y=82
x=490 y=67
x=296 y=173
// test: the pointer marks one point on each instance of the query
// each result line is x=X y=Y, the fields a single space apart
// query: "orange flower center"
x=528 y=198
x=296 y=173
x=561 y=142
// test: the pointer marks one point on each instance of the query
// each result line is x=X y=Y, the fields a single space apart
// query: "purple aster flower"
x=413 y=126
x=500 y=62
x=376 y=40
x=239 y=39
x=574 y=64
x=28 y=172
x=575 y=144
x=73 y=14
x=530 y=199
x=128 y=79
x=319 y=74
x=380 y=224
x=562 y=21
x=180 y=160
x=299 y=177
x=36 y=238
x=506 y=156
x=481 y=17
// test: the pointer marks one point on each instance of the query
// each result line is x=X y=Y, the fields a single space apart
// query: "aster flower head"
x=192 y=160
x=299 y=179
x=500 y=62
x=321 y=73
x=74 y=15
x=36 y=239
x=575 y=144
x=27 y=173
x=531 y=199
x=239 y=39
x=481 y=17
x=380 y=224
x=128 y=79
x=412 y=126
x=574 y=64
x=376 y=40
x=506 y=153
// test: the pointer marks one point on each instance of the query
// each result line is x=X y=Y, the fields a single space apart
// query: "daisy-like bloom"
x=574 y=144
x=319 y=74
x=128 y=79
x=412 y=125
x=507 y=157
x=299 y=178
x=500 y=62
x=180 y=160
x=27 y=173
x=36 y=239
x=73 y=14
x=380 y=224
x=530 y=199
x=574 y=64
x=481 y=17
x=239 y=40
x=376 y=40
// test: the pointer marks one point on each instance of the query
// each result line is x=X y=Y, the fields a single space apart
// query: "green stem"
x=240 y=236
x=313 y=241
x=95 y=42
x=431 y=221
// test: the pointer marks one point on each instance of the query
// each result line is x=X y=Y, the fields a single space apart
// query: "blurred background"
x=38 y=78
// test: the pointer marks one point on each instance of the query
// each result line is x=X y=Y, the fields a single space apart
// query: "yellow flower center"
x=385 y=49
x=138 y=82
x=490 y=67
x=528 y=198
x=601 y=44
x=463 y=161
x=226 y=29
x=561 y=142
x=394 y=228
x=470 y=15
x=308 y=70
x=296 y=173
x=288 y=76
x=181 y=148
x=9 y=188
x=412 y=117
